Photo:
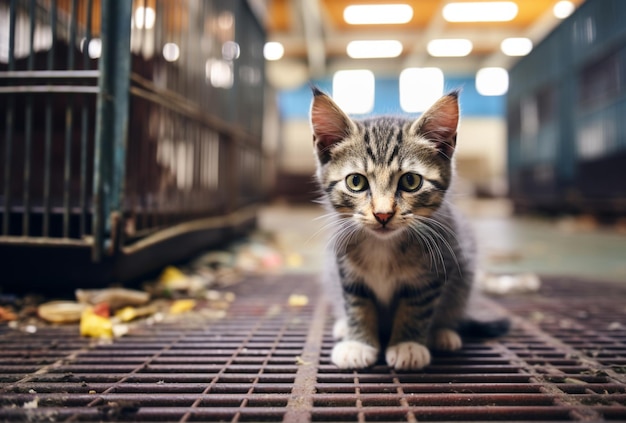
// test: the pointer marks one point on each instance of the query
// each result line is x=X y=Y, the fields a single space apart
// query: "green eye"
x=356 y=182
x=410 y=182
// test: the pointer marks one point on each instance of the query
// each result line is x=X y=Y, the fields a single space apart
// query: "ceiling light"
x=95 y=48
x=353 y=90
x=364 y=14
x=367 y=49
x=171 y=52
x=563 y=9
x=495 y=11
x=451 y=47
x=492 y=81
x=273 y=50
x=420 y=88
x=516 y=46
x=145 y=17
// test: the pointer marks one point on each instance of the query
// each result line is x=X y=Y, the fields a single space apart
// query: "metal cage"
x=126 y=127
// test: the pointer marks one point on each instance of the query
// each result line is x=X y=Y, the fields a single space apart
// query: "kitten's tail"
x=473 y=328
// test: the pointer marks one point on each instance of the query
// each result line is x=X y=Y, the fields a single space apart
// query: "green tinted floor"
x=509 y=244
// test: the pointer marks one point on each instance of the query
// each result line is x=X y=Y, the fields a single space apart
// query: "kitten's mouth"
x=383 y=230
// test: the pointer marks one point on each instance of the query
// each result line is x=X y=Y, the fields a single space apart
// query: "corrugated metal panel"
x=582 y=61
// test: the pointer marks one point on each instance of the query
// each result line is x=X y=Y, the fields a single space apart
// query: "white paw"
x=340 y=329
x=446 y=340
x=353 y=355
x=407 y=356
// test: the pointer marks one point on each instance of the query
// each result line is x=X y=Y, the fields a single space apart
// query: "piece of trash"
x=95 y=326
x=301 y=362
x=119 y=330
x=213 y=314
x=575 y=381
x=61 y=311
x=521 y=283
x=215 y=260
x=92 y=392
x=294 y=260
x=102 y=309
x=182 y=306
x=131 y=313
x=274 y=310
x=172 y=280
x=115 y=297
x=615 y=326
x=298 y=300
x=32 y=404
x=7 y=315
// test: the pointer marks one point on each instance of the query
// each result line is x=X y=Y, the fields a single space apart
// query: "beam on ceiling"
x=418 y=56
x=314 y=37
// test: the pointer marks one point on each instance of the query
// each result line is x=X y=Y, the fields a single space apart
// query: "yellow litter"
x=182 y=306
x=172 y=274
x=130 y=313
x=297 y=300
x=95 y=326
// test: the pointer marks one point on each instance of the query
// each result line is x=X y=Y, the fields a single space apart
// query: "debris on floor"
x=114 y=297
x=520 y=283
x=61 y=311
x=198 y=288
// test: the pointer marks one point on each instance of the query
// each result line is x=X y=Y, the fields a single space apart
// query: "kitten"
x=401 y=255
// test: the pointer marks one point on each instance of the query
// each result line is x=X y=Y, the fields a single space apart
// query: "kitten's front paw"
x=446 y=340
x=407 y=356
x=353 y=355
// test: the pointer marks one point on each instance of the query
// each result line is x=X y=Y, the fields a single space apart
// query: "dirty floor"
x=267 y=358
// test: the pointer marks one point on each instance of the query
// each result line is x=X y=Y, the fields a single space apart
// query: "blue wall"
x=294 y=104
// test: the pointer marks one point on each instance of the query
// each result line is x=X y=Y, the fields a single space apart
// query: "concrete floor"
x=509 y=244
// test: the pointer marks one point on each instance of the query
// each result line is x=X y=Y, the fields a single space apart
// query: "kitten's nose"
x=383 y=218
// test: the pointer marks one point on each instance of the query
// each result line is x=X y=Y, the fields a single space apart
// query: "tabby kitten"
x=402 y=255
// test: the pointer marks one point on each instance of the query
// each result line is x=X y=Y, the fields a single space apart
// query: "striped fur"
x=403 y=259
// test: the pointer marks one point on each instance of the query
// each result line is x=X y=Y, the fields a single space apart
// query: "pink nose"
x=383 y=218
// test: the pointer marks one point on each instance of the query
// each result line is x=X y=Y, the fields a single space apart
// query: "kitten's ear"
x=439 y=124
x=329 y=123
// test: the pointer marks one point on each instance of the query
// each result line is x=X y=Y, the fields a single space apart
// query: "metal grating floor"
x=565 y=359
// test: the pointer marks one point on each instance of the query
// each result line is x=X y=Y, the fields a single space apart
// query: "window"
x=353 y=90
x=420 y=88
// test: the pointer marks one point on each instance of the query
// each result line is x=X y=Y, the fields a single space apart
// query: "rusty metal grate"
x=564 y=359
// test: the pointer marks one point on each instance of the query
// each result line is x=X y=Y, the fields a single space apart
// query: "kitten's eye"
x=356 y=182
x=410 y=182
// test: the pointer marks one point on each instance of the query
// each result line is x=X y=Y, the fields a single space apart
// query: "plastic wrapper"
x=95 y=326
x=61 y=311
x=115 y=297
x=521 y=283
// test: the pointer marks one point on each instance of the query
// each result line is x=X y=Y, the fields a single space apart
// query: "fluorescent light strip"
x=492 y=81
x=273 y=50
x=451 y=47
x=353 y=90
x=420 y=88
x=563 y=9
x=516 y=46
x=376 y=14
x=496 y=11
x=370 y=49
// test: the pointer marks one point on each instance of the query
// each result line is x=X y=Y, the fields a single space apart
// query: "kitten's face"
x=382 y=173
